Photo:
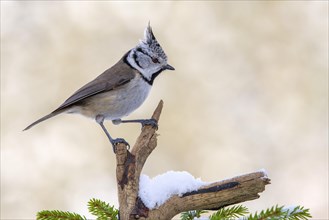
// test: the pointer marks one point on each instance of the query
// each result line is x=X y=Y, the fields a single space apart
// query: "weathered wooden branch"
x=213 y=196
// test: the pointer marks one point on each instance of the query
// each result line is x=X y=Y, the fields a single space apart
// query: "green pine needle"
x=230 y=212
x=297 y=213
x=102 y=210
x=190 y=215
x=279 y=212
x=275 y=212
x=58 y=215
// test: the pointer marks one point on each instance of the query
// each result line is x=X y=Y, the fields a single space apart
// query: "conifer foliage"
x=103 y=211
x=240 y=212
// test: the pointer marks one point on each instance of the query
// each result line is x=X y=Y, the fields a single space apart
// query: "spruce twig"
x=298 y=213
x=230 y=213
x=190 y=215
x=280 y=212
x=102 y=210
x=56 y=215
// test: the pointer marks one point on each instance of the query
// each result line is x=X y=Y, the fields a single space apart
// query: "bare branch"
x=130 y=165
x=213 y=196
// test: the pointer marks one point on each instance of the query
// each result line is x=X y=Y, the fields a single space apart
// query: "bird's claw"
x=151 y=122
x=119 y=141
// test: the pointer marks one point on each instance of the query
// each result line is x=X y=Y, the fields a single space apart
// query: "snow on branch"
x=168 y=194
x=155 y=192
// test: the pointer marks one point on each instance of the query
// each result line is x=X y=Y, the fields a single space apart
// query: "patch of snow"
x=201 y=218
x=264 y=171
x=156 y=191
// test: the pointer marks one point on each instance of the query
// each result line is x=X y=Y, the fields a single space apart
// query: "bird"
x=119 y=90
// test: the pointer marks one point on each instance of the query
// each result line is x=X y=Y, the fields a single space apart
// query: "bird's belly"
x=116 y=103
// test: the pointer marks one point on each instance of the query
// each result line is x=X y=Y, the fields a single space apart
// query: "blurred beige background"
x=250 y=91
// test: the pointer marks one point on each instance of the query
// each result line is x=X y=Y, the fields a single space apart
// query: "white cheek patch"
x=147 y=73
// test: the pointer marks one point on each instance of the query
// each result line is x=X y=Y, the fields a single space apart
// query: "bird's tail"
x=54 y=113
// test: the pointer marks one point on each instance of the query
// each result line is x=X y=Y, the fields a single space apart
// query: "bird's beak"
x=168 y=67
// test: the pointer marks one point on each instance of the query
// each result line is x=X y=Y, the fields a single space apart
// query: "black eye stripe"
x=154 y=60
x=136 y=61
x=143 y=52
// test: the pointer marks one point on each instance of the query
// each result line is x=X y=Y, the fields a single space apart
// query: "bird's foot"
x=151 y=122
x=117 y=141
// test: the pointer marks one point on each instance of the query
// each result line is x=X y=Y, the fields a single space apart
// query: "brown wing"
x=115 y=76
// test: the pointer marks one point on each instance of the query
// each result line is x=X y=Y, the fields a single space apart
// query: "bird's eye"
x=155 y=60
